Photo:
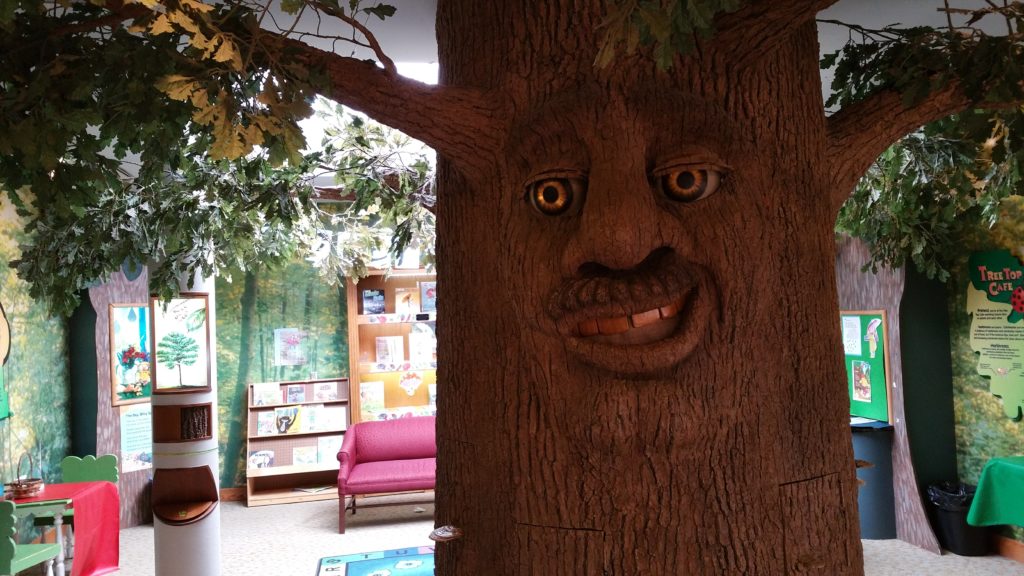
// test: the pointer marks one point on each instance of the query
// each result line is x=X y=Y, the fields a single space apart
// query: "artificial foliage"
x=924 y=194
x=166 y=132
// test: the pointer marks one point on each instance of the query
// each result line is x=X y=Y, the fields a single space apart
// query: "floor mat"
x=401 y=562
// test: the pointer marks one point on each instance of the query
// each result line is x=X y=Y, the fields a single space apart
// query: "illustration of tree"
x=177 y=349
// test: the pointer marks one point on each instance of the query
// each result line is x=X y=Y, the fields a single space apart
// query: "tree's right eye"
x=553 y=196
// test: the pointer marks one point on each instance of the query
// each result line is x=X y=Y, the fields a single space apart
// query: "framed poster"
x=130 y=357
x=181 y=344
x=865 y=353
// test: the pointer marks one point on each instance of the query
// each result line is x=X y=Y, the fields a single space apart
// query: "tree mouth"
x=648 y=333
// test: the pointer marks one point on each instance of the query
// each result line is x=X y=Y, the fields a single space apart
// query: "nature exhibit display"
x=181 y=341
x=249 y=310
x=635 y=239
x=985 y=428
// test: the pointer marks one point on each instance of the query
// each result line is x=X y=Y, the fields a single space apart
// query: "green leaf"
x=381 y=11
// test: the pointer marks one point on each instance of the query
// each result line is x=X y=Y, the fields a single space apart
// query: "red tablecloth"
x=97 y=518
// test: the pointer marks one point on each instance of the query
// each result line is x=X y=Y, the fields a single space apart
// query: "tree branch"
x=457 y=122
x=860 y=132
x=764 y=24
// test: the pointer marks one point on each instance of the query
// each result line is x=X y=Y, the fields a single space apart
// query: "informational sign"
x=864 y=350
x=136 y=437
x=995 y=301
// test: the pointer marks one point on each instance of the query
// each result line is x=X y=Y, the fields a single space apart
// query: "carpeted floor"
x=288 y=540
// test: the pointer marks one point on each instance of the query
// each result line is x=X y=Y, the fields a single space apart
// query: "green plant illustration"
x=177 y=349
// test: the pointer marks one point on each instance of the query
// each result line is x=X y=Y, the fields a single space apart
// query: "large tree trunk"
x=720 y=447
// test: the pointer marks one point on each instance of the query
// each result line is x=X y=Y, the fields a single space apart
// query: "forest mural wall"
x=983 y=429
x=273 y=324
x=35 y=373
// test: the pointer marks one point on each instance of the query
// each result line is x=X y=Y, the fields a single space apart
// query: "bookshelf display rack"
x=294 y=432
x=392 y=348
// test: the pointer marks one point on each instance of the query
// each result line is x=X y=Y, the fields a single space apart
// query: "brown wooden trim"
x=236 y=494
x=1010 y=548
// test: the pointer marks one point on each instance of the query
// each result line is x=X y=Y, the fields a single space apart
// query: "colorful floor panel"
x=401 y=562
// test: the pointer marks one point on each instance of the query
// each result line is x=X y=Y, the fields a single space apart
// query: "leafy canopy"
x=919 y=199
x=166 y=131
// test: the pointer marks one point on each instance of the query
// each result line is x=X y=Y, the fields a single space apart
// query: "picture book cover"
x=407 y=300
x=334 y=418
x=313 y=418
x=390 y=349
x=296 y=393
x=288 y=419
x=266 y=394
x=428 y=296
x=325 y=391
x=422 y=343
x=327 y=448
x=304 y=455
x=261 y=459
x=373 y=301
x=266 y=424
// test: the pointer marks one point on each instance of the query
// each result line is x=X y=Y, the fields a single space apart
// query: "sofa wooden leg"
x=341 y=516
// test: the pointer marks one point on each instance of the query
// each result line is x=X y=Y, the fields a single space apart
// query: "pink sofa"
x=385 y=456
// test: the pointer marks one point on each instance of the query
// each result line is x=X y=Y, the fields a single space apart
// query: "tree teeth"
x=622 y=324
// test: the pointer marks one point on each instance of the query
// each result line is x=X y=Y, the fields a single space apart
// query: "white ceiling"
x=409 y=35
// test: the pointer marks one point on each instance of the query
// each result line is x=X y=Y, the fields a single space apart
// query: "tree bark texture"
x=133 y=487
x=718 y=446
x=859 y=290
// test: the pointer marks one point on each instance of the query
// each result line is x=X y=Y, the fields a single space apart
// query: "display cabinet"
x=295 y=430
x=393 y=345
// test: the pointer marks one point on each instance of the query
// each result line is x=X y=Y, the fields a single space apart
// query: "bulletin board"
x=865 y=353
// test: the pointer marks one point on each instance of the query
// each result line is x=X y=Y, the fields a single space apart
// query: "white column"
x=192 y=549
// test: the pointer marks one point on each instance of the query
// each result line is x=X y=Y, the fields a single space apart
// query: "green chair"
x=75 y=469
x=16 y=557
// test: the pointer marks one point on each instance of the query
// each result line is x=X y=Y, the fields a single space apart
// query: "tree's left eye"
x=688 y=183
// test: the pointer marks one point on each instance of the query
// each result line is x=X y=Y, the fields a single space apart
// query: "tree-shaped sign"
x=177 y=349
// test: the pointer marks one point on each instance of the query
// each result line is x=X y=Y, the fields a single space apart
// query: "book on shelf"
x=373 y=301
x=390 y=349
x=313 y=418
x=327 y=448
x=261 y=459
x=428 y=296
x=315 y=490
x=334 y=418
x=266 y=423
x=325 y=391
x=407 y=300
x=288 y=419
x=266 y=393
x=304 y=455
x=422 y=343
x=295 y=393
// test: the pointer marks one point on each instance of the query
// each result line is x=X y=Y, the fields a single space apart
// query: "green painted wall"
x=982 y=429
x=249 y=309
x=36 y=372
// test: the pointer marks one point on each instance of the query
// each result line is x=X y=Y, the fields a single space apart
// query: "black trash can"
x=950 y=503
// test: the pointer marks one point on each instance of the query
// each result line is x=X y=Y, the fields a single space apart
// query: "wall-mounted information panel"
x=865 y=350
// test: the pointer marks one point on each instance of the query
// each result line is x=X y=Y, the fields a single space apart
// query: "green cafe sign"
x=995 y=301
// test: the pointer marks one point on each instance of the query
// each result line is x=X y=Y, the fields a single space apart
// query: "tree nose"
x=619 y=223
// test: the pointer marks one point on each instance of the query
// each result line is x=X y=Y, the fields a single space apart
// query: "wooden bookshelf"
x=402 y=382
x=294 y=432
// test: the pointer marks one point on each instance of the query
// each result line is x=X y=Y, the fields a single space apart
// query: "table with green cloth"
x=1000 y=495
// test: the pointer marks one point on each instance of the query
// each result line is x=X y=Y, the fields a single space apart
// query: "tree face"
x=627 y=208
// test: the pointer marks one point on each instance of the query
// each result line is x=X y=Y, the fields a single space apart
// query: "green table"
x=1000 y=495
